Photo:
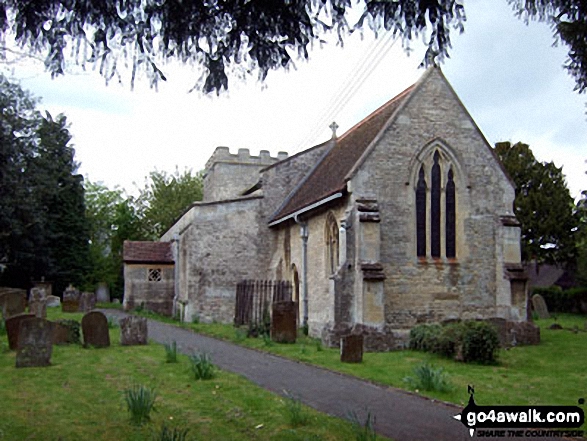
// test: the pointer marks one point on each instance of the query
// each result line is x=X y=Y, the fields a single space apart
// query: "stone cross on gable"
x=333 y=127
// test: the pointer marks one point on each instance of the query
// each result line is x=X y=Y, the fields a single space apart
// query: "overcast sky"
x=507 y=74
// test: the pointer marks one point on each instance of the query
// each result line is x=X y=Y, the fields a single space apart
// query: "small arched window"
x=331 y=239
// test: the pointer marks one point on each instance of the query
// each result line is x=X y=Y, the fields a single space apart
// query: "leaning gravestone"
x=38 y=302
x=539 y=306
x=351 y=349
x=95 y=330
x=284 y=322
x=13 y=328
x=133 y=331
x=70 y=300
x=12 y=301
x=35 y=343
x=87 y=301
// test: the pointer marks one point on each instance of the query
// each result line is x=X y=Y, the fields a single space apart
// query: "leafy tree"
x=166 y=196
x=42 y=231
x=543 y=206
x=582 y=239
x=112 y=218
x=247 y=36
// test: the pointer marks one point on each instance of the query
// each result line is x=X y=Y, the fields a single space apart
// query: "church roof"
x=147 y=252
x=328 y=177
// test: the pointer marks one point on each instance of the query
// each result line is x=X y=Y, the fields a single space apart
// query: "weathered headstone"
x=13 y=327
x=12 y=301
x=38 y=302
x=53 y=302
x=103 y=293
x=35 y=343
x=87 y=301
x=351 y=349
x=95 y=330
x=70 y=300
x=284 y=322
x=133 y=330
x=539 y=306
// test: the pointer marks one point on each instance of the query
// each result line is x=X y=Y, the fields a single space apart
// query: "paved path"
x=399 y=415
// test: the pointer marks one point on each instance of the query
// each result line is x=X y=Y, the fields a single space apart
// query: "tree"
x=543 y=206
x=166 y=196
x=260 y=35
x=112 y=218
x=582 y=239
x=42 y=231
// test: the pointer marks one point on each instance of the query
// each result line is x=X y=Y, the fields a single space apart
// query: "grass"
x=202 y=367
x=81 y=397
x=140 y=401
x=171 y=352
x=428 y=378
x=546 y=374
x=295 y=412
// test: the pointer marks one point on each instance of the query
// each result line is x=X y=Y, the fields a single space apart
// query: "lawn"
x=81 y=396
x=547 y=374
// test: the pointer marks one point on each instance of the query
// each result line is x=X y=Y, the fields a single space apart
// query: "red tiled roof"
x=328 y=177
x=147 y=252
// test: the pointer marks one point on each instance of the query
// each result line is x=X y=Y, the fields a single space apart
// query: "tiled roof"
x=328 y=177
x=147 y=252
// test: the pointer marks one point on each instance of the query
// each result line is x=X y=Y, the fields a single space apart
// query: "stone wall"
x=154 y=295
x=221 y=243
x=229 y=175
x=431 y=289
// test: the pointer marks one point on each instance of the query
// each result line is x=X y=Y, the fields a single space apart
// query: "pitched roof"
x=147 y=252
x=327 y=178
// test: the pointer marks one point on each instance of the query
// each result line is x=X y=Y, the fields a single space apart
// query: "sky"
x=507 y=74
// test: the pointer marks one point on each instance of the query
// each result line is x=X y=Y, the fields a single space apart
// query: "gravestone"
x=95 y=330
x=284 y=322
x=351 y=349
x=12 y=301
x=38 y=302
x=35 y=343
x=87 y=301
x=13 y=328
x=103 y=293
x=539 y=306
x=133 y=331
x=53 y=302
x=70 y=300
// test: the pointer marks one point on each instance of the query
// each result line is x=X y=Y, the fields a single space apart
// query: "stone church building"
x=407 y=218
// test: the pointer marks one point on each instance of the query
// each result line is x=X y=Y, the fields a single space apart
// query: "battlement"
x=222 y=154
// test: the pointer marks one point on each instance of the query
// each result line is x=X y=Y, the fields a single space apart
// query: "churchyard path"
x=399 y=415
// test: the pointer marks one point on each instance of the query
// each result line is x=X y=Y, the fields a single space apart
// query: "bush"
x=295 y=412
x=571 y=300
x=429 y=378
x=424 y=337
x=171 y=352
x=471 y=341
x=202 y=366
x=73 y=330
x=167 y=434
x=140 y=401
x=480 y=342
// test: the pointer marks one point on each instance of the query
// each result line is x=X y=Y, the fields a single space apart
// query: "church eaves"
x=328 y=179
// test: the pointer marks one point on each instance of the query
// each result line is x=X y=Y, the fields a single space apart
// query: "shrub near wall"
x=470 y=341
x=572 y=300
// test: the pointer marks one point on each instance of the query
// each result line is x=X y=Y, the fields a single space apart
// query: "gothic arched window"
x=436 y=207
x=331 y=238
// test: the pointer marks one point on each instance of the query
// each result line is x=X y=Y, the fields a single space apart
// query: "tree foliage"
x=166 y=196
x=247 y=36
x=582 y=239
x=42 y=228
x=221 y=35
x=543 y=205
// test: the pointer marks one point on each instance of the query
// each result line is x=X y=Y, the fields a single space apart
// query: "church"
x=406 y=218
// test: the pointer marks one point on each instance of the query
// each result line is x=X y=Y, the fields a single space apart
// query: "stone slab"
x=35 y=343
x=12 y=301
x=13 y=329
x=539 y=306
x=38 y=302
x=351 y=349
x=87 y=301
x=284 y=322
x=95 y=330
x=133 y=331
